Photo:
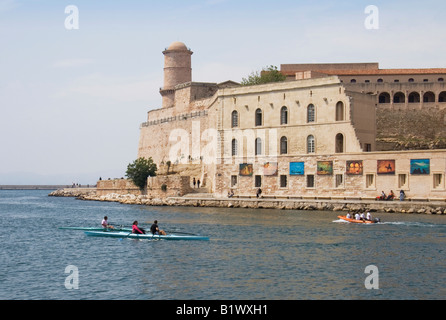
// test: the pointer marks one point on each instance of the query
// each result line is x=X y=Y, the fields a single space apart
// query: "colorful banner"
x=354 y=167
x=420 y=166
x=386 y=167
x=325 y=167
x=297 y=168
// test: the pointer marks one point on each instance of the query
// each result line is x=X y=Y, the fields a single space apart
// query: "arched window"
x=283 y=145
x=310 y=144
x=442 y=97
x=411 y=80
x=384 y=97
x=429 y=97
x=234 y=147
x=339 y=143
x=340 y=111
x=353 y=81
x=234 y=119
x=440 y=79
x=259 y=119
x=414 y=97
x=380 y=80
x=310 y=113
x=284 y=115
x=399 y=97
x=258 y=147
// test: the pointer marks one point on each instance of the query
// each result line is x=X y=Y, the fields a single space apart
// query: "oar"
x=191 y=234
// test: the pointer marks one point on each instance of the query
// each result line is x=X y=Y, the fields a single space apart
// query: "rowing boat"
x=358 y=221
x=123 y=234
x=96 y=229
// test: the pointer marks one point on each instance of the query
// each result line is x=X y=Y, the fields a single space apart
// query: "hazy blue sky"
x=72 y=100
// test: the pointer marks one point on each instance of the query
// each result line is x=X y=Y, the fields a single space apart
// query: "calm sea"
x=252 y=254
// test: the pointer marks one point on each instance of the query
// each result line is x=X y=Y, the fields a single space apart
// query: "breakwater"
x=207 y=200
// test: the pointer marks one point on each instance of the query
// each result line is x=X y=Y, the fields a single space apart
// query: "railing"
x=180 y=117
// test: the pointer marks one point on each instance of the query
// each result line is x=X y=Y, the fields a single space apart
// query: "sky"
x=72 y=99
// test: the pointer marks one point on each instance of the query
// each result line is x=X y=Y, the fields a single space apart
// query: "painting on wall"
x=270 y=169
x=420 y=166
x=325 y=167
x=386 y=167
x=246 y=169
x=354 y=167
x=297 y=168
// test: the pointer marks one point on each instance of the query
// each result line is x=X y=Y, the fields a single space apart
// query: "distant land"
x=33 y=187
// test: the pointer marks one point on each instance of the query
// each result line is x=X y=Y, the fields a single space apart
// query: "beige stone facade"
x=275 y=136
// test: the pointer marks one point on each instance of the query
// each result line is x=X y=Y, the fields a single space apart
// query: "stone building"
x=311 y=136
x=411 y=103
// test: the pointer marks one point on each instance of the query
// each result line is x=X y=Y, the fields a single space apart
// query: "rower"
x=357 y=216
x=369 y=216
x=105 y=224
x=135 y=228
x=155 y=230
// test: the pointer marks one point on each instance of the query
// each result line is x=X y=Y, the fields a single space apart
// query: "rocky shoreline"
x=410 y=207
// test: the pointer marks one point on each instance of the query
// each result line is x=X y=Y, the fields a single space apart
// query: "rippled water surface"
x=252 y=254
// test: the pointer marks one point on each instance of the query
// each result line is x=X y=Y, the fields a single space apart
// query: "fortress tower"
x=177 y=70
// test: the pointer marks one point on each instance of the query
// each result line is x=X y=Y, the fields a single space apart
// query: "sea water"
x=252 y=254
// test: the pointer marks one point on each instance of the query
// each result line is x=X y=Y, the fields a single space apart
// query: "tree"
x=140 y=170
x=267 y=75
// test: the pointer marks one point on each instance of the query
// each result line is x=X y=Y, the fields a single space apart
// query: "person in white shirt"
x=357 y=216
x=369 y=216
x=105 y=224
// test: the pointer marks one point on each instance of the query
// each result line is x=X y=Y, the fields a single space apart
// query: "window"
x=310 y=144
x=339 y=143
x=370 y=181
x=310 y=181
x=402 y=181
x=340 y=111
x=411 y=80
x=442 y=96
x=414 y=97
x=399 y=97
x=384 y=97
x=440 y=79
x=283 y=181
x=429 y=97
x=353 y=81
x=258 y=181
x=234 y=147
x=380 y=80
x=259 y=119
x=339 y=181
x=367 y=147
x=438 y=181
x=284 y=115
x=234 y=119
x=233 y=180
x=310 y=113
x=283 y=145
x=258 y=146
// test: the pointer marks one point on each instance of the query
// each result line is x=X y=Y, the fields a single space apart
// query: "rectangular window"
x=258 y=181
x=370 y=181
x=233 y=181
x=438 y=181
x=310 y=181
x=283 y=181
x=402 y=180
x=339 y=181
